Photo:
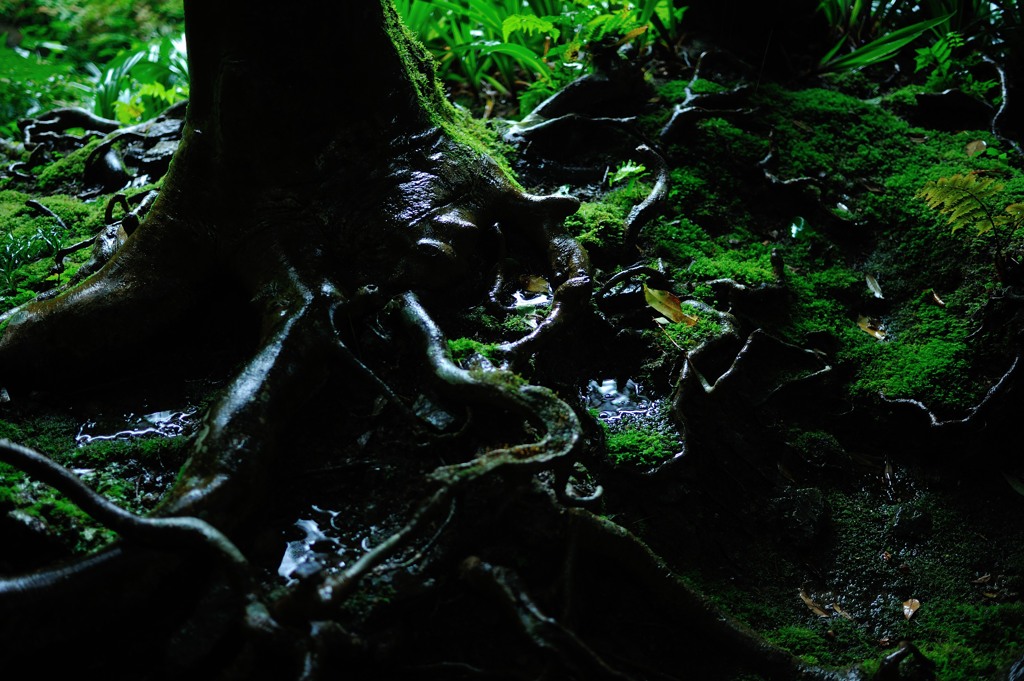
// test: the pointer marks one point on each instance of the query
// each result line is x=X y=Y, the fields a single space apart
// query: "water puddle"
x=613 y=402
x=160 y=423
x=313 y=552
x=526 y=299
x=322 y=545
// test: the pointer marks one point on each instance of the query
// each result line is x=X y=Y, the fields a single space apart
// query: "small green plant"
x=876 y=50
x=947 y=69
x=139 y=85
x=970 y=202
x=534 y=47
x=629 y=172
x=17 y=251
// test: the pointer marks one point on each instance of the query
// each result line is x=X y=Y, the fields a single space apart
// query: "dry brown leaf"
x=871 y=326
x=873 y=285
x=835 y=606
x=814 y=607
x=984 y=579
x=935 y=299
x=667 y=304
x=975 y=147
x=910 y=607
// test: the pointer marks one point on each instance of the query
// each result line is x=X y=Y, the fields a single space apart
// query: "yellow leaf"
x=910 y=607
x=975 y=147
x=814 y=607
x=667 y=304
x=871 y=326
x=635 y=33
x=534 y=284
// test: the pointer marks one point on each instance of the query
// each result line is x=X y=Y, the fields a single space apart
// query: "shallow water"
x=166 y=423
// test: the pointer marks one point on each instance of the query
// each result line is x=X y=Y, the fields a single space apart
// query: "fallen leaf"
x=873 y=285
x=984 y=579
x=910 y=607
x=814 y=607
x=534 y=284
x=635 y=33
x=871 y=326
x=935 y=299
x=667 y=304
x=835 y=606
x=975 y=147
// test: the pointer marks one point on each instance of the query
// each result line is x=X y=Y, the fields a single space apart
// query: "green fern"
x=966 y=199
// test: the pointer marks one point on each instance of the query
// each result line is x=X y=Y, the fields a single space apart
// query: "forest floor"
x=802 y=386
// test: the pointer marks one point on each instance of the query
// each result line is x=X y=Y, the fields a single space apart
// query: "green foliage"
x=967 y=200
x=643 y=445
x=926 y=357
x=877 y=50
x=810 y=646
x=532 y=48
x=686 y=337
x=464 y=348
x=94 y=30
x=67 y=169
x=29 y=83
x=629 y=171
x=139 y=85
x=948 y=65
x=18 y=251
x=598 y=224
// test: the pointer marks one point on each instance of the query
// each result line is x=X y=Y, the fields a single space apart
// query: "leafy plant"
x=17 y=251
x=29 y=84
x=511 y=47
x=876 y=50
x=627 y=171
x=945 y=71
x=969 y=202
x=139 y=85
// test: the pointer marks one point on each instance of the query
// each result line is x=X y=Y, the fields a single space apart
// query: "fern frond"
x=1016 y=211
x=963 y=199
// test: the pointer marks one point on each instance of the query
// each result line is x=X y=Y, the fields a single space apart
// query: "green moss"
x=124 y=471
x=741 y=147
x=597 y=224
x=968 y=641
x=463 y=348
x=821 y=132
x=679 y=241
x=686 y=337
x=750 y=265
x=925 y=356
x=66 y=171
x=421 y=69
x=674 y=91
x=520 y=322
x=642 y=445
x=810 y=646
